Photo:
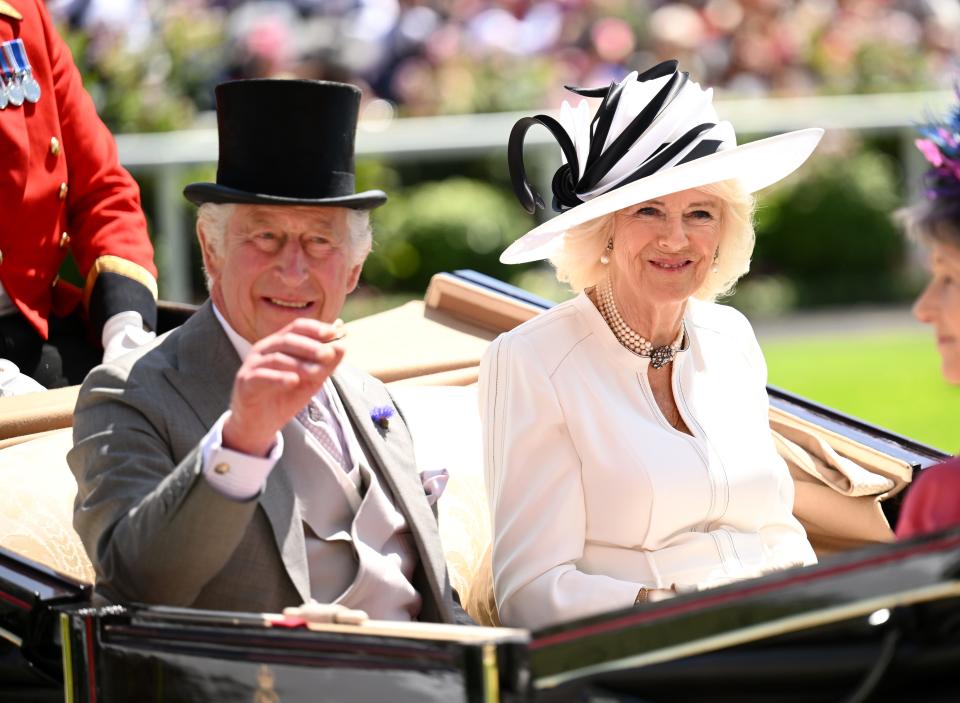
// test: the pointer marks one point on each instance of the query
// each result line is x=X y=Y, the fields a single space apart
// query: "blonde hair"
x=577 y=263
x=213 y=218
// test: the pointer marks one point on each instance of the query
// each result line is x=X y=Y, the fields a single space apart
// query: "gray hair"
x=578 y=260
x=931 y=221
x=213 y=218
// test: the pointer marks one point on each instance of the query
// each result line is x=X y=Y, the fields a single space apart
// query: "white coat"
x=593 y=494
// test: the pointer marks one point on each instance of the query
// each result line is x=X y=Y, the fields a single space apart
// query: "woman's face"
x=939 y=305
x=663 y=249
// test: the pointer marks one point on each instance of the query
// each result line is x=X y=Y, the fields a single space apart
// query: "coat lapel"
x=391 y=452
x=208 y=364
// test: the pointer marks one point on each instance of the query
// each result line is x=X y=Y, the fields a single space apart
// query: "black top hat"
x=286 y=142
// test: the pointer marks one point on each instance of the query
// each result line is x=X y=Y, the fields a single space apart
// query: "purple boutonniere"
x=381 y=416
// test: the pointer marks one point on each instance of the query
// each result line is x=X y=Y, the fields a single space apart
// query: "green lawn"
x=890 y=379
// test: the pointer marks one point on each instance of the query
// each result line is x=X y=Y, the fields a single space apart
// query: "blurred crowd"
x=424 y=57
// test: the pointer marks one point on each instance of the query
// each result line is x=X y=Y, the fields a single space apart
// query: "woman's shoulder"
x=719 y=319
x=548 y=337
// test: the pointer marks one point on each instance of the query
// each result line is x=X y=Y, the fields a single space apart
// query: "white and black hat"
x=655 y=133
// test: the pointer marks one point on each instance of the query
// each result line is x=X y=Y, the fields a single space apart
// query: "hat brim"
x=200 y=193
x=756 y=165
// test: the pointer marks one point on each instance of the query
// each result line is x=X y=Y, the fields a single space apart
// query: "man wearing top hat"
x=236 y=463
x=63 y=192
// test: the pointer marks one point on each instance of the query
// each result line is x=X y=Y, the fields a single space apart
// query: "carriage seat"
x=36 y=505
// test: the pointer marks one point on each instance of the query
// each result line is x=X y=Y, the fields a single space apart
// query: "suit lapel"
x=391 y=452
x=208 y=364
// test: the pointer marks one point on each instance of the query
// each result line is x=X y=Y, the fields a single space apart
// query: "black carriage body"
x=166 y=654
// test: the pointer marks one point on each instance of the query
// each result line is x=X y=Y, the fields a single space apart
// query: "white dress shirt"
x=593 y=494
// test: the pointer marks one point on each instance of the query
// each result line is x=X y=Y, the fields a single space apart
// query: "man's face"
x=278 y=263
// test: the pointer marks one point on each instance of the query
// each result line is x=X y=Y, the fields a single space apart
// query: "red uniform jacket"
x=63 y=190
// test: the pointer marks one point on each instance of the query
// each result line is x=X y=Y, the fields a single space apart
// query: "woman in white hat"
x=628 y=454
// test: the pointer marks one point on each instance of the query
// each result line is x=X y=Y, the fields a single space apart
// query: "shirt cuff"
x=236 y=475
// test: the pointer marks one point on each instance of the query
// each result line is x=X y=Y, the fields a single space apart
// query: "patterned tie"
x=318 y=421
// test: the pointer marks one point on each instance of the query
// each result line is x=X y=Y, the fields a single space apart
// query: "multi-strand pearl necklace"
x=639 y=345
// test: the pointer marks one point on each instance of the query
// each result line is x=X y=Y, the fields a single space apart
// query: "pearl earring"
x=716 y=259
x=605 y=256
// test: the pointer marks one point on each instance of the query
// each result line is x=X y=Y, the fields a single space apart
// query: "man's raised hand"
x=277 y=379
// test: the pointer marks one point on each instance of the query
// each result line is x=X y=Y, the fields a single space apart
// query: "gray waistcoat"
x=360 y=552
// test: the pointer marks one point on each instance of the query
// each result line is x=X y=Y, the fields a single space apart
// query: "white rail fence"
x=166 y=155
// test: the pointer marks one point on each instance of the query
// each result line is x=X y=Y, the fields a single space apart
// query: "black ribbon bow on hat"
x=567 y=186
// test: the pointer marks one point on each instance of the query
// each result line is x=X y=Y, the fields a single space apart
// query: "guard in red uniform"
x=63 y=191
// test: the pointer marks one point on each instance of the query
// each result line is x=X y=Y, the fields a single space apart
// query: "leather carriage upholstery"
x=431 y=364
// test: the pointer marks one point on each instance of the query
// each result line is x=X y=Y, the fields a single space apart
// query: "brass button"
x=63 y=191
x=1 y=257
x=54 y=146
x=64 y=240
x=221 y=468
x=56 y=280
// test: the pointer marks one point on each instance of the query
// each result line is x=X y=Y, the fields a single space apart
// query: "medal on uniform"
x=31 y=89
x=4 y=91
x=14 y=89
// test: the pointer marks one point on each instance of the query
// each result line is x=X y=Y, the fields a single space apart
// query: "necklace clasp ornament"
x=661 y=356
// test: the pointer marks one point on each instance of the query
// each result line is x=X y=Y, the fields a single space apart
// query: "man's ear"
x=354 y=278
x=211 y=261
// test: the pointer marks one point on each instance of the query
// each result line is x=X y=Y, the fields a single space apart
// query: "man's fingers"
x=301 y=347
x=309 y=373
x=266 y=376
x=315 y=329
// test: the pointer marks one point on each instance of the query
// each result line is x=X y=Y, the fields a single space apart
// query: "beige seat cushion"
x=36 y=505
x=446 y=433
x=37 y=412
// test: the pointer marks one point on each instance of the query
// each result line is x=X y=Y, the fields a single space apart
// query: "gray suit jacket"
x=156 y=532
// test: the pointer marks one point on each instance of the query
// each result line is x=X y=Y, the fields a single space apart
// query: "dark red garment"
x=62 y=189
x=932 y=502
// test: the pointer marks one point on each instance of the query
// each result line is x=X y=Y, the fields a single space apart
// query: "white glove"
x=123 y=333
x=12 y=382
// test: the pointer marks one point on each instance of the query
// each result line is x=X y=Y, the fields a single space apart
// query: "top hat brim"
x=200 y=193
x=755 y=165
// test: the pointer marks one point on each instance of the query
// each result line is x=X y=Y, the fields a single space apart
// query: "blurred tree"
x=831 y=234
x=442 y=226
x=156 y=86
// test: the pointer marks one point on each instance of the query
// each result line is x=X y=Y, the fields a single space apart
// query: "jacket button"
x=64 y=240
x=1 y=257
x=221 y=468
x=63 y=191
x=56 y=280
x=54 y=146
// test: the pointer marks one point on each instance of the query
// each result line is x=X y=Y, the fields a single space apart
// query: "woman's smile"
x=668 y=265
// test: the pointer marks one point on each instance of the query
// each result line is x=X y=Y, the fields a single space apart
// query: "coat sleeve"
x=534 y=486
x=105 y=221
x=155 y=531
x=784 y=538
